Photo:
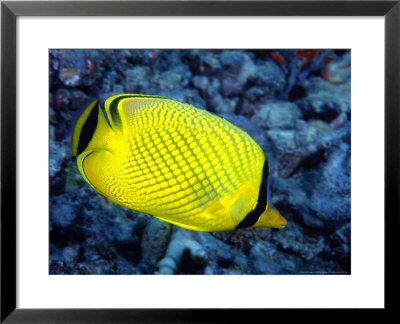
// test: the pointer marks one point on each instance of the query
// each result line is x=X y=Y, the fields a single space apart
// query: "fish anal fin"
x=177 y=223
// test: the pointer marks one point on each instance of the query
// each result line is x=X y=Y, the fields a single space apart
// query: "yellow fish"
x=174 y=161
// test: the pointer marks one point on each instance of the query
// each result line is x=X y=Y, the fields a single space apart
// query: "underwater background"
x=294 y=103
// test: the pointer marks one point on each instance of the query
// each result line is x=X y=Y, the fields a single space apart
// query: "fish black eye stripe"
x=88 y=129
x=252 y=217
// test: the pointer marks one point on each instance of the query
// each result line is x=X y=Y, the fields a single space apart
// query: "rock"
x=283 y=140
x=277 y=114
x=259 y=265
x=316 y=135
x=203 y=61
x=201 y=82
x=63 y=213
x=70 y=253
x=272 y=260
x=339 y=70
x=221 y=254
x=65 y=99
x=330 y=200
x=293 y=239
x=311 y=220
x=325 y=100
x=137 y=79
x=175 y=78
x=220 y=104
x=59 y=152
x=78 y=67
x=73 y=179
x=154 y=244
x=237 y=69
x=307 y=145
x=269 y=77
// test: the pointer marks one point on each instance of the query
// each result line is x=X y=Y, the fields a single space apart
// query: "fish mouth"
x=279 y=225
x=282 y=223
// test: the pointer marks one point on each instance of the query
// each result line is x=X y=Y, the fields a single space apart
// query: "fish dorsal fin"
x=123 y=106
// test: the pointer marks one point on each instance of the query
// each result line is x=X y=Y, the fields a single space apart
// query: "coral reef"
x=181 y=243
x=294 y=103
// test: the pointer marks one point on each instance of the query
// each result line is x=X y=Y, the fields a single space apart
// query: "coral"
x=180 y=242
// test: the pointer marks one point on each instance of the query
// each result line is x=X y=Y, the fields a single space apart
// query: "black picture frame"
x=10 y=10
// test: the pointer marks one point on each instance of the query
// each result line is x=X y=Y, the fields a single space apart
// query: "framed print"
x=161 y=159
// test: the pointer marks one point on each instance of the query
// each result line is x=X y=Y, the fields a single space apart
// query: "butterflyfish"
x=174 y=161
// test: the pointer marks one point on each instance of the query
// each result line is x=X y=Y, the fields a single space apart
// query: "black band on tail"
x=252 y=217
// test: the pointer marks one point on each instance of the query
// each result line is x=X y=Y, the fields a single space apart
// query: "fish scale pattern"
x=178 y=159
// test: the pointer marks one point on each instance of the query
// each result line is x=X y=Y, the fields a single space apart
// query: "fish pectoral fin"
x=215 y=207
x=239 y=208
